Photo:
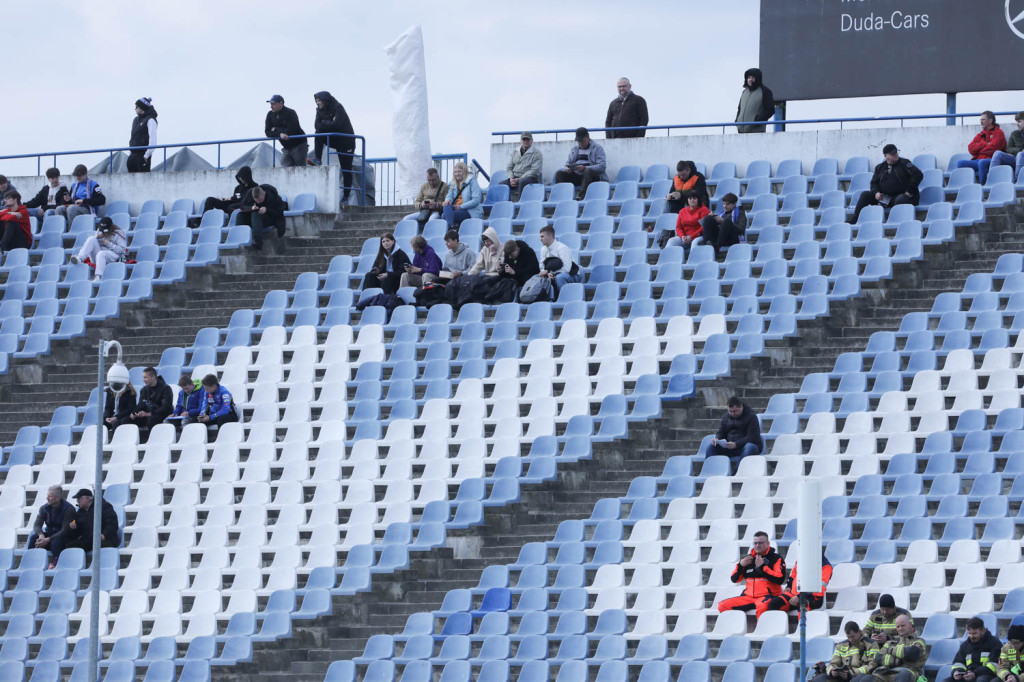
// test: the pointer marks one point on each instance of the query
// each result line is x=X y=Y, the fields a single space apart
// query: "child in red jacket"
x=688 y=225
x=17 y=233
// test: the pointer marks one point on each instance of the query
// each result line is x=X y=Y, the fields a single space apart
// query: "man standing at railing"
x=331 y=117
x=282 y=123
x=143 y=135
x=757 y=103
x=625 y=111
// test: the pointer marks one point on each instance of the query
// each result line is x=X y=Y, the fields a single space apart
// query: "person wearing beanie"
x=143 y=135
x=901 y=658
x=1009 y=668
x=881 y=624
x=976 y=659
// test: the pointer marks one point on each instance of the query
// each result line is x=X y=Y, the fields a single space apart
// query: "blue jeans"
x=564 y=278
x=1015 y=162
x=979 y=165
x=454 y=216
x=748 y=450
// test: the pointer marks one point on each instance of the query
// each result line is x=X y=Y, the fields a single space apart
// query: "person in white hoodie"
x=569 y=270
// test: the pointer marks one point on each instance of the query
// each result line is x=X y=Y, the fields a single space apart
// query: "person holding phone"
x=388 y=267
x=739 y=434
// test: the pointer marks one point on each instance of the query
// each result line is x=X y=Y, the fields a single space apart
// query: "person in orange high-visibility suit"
x=763 y=570
x=790 y=597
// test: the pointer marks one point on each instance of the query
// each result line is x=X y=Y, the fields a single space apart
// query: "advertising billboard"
x=823 y=49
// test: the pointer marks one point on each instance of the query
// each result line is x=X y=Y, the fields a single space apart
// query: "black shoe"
x=280 y=233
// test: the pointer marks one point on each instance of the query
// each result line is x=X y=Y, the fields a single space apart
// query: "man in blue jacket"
x=186 y=410
x=217 y=406
x=52 y=522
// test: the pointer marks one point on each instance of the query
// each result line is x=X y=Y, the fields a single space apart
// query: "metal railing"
x=360 y=141
x=728 y=126
x=385 y=172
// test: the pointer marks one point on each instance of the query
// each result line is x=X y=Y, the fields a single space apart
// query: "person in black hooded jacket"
x=143 y=135
x=155 y=402
x=229 y=204
x=331 y=117
x=757 y=103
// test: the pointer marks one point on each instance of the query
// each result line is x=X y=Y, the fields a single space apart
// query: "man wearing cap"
x=82 y=525
x=901 y=658
x=626 y=111
x=978 y=655
x=282 y=123
x=1011 y=656
x=586 y=163
x=881 y=623
x=894 y=182
x=524 y=166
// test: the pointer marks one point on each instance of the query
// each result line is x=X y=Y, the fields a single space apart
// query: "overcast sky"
x=74 y=69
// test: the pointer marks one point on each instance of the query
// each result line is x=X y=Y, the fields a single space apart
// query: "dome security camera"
x=117 y=378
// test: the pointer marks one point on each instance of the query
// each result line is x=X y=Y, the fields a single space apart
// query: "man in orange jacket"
x=790 y=598
x=764 y=572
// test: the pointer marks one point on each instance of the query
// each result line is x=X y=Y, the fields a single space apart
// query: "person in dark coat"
x=143 y=135
x=978 y=655
x=739 y=434
x=331 y=117
x=117 y=411
x=50 y=530
x=388 y=266
x=757 y=103
x=156 y=401
x=266 y=209
x=282 y=123
x=53 y=194
x=894 y=181
x=228 y=204
x=625 y=111
x=687 y=179
x=81 y=527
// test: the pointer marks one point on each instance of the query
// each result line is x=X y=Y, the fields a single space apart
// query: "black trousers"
x=138 y=163
x=14 y=238
x=868 y=199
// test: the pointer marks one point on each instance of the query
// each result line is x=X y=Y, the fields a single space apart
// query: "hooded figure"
x=143 y=135
x=331 y=117
x=756 y=102
x=229 y=204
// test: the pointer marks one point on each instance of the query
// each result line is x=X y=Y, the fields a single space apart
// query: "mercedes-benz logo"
x=1015 y=16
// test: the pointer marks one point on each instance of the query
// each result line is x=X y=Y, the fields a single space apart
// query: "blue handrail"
x=725 y=125
x=39 y=156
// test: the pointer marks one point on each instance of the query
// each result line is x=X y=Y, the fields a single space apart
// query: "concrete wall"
x=323 y=181
x=807 y=146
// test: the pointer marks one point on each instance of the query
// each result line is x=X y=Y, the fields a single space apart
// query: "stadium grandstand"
x=521 y=492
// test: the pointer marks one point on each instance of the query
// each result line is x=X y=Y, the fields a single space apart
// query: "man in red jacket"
x=986 y=143
x=17 y=233
x=790 y=598
x=764 y=572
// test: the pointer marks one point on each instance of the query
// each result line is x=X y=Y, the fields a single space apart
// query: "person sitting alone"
x=722 y=230
x=266 y=210
x=895 y=181
x=108 y=245
x=739 y=434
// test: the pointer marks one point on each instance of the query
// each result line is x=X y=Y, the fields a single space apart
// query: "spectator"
x=424 y=263
x=1011 y=656
x=1014 y=154
x=80 y=532
x=84 y=197
x=217 y=407
x=790 y=597
x=464 y=289
x=518 y=264
x=5 y=185
x=688 y=224
x=687 y=179
x=143 y=135
x=739 y=434
x=901 y=658
x=848 y=657
x=626 y=111
x=118 y=410
x=894 y=182
x=458 y=259
x=108 y=245
x=428 y=201
x=17 y=226
x=722 y=230
x=464 y=199
x=978 y=655
x=53 y=194
x=388 y=267
x=50 y=530
x=524 y=166
x=156 y=401
x=556 y=261
x=282 y=123
x=756 y=102
x=986 y=143
x=228 y=204
x=881 y=625
x=762 y=570
x=586 y=163
x=186 y=410
x=266 y=209
x=331 y=117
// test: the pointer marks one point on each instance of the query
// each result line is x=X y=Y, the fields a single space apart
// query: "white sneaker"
x=75 y=260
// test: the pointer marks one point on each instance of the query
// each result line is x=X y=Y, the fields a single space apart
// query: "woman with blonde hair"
x=464 y=200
